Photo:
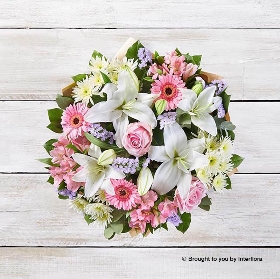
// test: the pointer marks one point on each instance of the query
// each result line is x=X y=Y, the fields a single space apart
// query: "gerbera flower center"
x=76 y=121
x=123 y=193
x=169 y=90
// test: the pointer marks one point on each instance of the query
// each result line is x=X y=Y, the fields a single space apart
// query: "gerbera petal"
x=175 y=139
x=205 y=122
x=158 y=153
x=199 y=161
x=120 y=125
x=104 y=112
x=166 y=177
x=142 y=113
x=184 y=184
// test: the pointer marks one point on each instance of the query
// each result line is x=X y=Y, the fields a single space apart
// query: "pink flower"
x=167 y=208
x=189 y=70
x=72 y=185
x=73 y=122
x=196 y=193
x=126 y=195
x=60 y=151
x=177 y=65
x=168 y=57
x=167 y=86
x=148 y=200
x=137 y=139
x=82 y=143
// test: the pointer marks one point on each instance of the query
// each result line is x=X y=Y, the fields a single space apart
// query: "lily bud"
x=197 y=88
x=106 y=158
x=160 y=106
x=144 y=181
x=133 y=77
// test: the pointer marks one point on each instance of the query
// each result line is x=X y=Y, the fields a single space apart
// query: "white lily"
x=121 y=103
x=179 y=157
x=96 y=171
x=144 y=181
x=199 y=108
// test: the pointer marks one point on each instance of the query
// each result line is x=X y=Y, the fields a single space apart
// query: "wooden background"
x=43 y=43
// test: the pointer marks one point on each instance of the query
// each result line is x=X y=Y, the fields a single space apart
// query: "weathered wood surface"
x=32 y=215
x=140 y=14
x=36 y=64
x=24 y=123
x=87 y=263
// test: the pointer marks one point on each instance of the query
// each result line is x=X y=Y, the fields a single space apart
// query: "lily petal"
x=205 y=122
x=81 y=175
x=93 y=184
x=216 y=103
x=142 y=113
x=166 y=177
x=158 y=153
x=204 y=99
x=112 y=173
x=147 y=99
x=104 y=112
x=109 y=89
x=94 y=151
x=83 y=160
x=108 y=187
x=189 y=97
x=175 y=139
x=184 y=184
x=120 y=125
x=199 y=161
x=197 y=144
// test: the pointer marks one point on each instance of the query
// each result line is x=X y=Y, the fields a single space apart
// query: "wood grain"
x=140 y=14
x=24 y=125
x=32 y=215
x=37 y=64
x=86 y=263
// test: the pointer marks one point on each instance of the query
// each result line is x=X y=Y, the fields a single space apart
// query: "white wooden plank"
x=139 y=14
x=36 y=64
x=69 y=263
x=32 y=215
x=24 y=132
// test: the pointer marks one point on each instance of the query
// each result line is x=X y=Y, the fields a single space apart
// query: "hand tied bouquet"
x=146 y=139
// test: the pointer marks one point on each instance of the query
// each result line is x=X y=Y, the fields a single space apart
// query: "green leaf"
x=96 y=54
x=226 y=100
x=55 y=127
x=197 y=59
x=62 y=186
x=106 y=79
x=157 y=137
x=132 y=52
x=47 y=161
x=117 y=227
x=227 y=125
x=159 y=60
x=186 y=221
x=228 y=182
x=206 y=201
x=49 y=145
x=236 y=160
x=117 y=215
x=55 y=114
x=88 y=219
x=109 y=233
x=102 y=144
x=204 y=207
x=63 y=197
x=73 y=147
x=63 y=102
x=149 y=79
x=164 y=226
x=178 y=51
x=50 y=180
x=79 y=77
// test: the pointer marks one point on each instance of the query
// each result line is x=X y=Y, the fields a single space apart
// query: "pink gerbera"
x=168 y=88
x=73 y=122
x=126 y=195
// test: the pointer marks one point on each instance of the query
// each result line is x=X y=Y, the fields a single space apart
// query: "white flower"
x=179 y=159
x=121 y=103
x=85 y=89
x=199 y=108
x=97 y=79
x=219 y=182
x=98 y=64
x=226 y=147
x=78 y=204
x=214 y=161
x=99 y=212
x=96 y=171
x=226 y=166
x=204 y=175
x=144 y=181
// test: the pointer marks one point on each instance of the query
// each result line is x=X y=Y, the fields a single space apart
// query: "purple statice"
x=220 y=85
x=125 y=165
x=99 y=132
x=221 y=111
x=166 y=118
x=145 y=56
x=67 y=193
x=146 y=163
x=175 y=220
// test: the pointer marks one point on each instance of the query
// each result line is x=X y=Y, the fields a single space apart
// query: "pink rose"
x=137 y=139
x=196 y=193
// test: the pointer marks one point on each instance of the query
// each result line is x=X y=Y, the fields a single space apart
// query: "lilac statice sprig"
x=67 y=194
x=145 y=57
x=99 y=132
x=220 y=84
x=126 y=165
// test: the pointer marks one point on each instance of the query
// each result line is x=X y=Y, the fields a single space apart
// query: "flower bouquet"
x=145 y=139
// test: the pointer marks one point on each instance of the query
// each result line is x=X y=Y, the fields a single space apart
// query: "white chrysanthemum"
x=85 y=89
x=226 y=147
x=211 y=144
x=78 y=204
x=204 y=176
x=99 y=212
x=97 y=79
x=100 y=196
x=113 y=76
x=214 y=161
x=120 y=65
x=225 y=166
x=219 y=182
x=98 y=64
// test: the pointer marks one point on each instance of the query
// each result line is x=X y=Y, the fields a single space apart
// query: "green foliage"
x=157 y=136
x=96 y=54
x=227 y=125
x=102 y=144
x=205 y=203
x=109 y=233
x=132 y=52
x=50 y=180
x=195 y=59
x=73 y=147
x=49 y=145
x=228 y=182
x=47 y=161
x=236 y=160
x=186 y=221
x=63 y=102
x=106 y=79
x=79 y=77
x=63 y=197
x=55 y=119
x=226 y=100
x=88 y=219
x=117 y=215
